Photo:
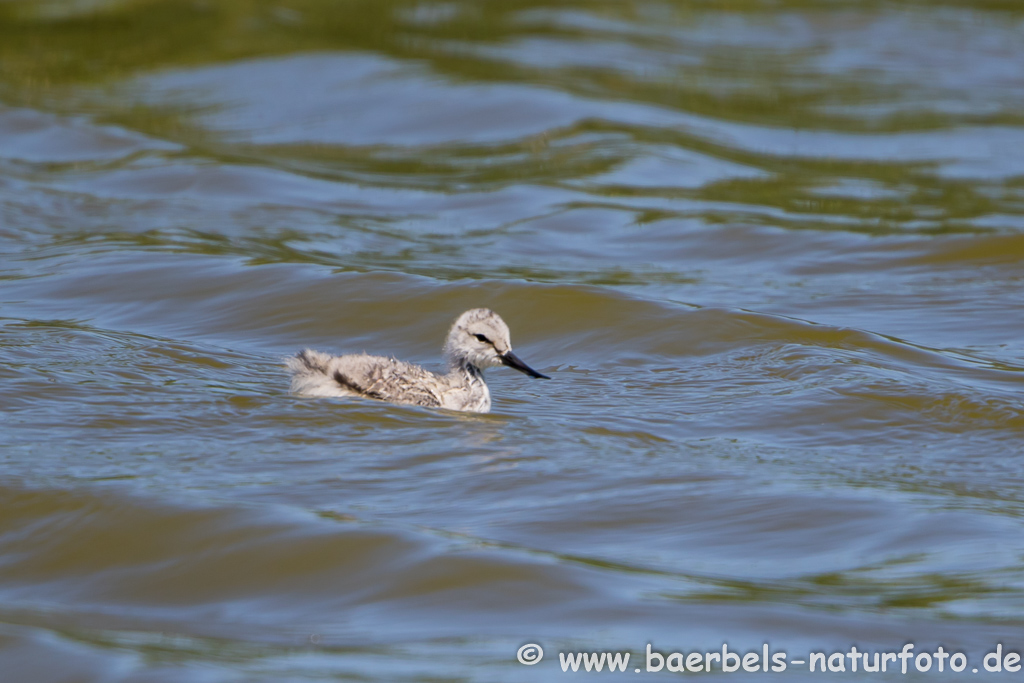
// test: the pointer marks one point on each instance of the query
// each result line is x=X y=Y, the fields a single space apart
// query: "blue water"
x=769 y=255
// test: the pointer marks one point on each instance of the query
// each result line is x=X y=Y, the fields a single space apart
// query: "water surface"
x=770 y=254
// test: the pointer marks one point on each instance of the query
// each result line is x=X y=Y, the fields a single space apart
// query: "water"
x=770 y=255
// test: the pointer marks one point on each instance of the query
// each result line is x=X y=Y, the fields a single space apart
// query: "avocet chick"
x=478 y=340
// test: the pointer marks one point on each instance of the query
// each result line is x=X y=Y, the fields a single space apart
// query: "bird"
x=479 y=339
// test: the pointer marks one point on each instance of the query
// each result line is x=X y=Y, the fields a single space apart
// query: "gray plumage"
x=478 y=340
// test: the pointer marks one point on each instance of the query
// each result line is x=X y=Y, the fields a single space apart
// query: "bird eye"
x=484 y=339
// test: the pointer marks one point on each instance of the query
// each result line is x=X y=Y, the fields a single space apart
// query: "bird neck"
x=466 y=371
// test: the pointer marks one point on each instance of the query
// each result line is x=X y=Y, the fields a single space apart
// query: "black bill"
x=512 y=360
